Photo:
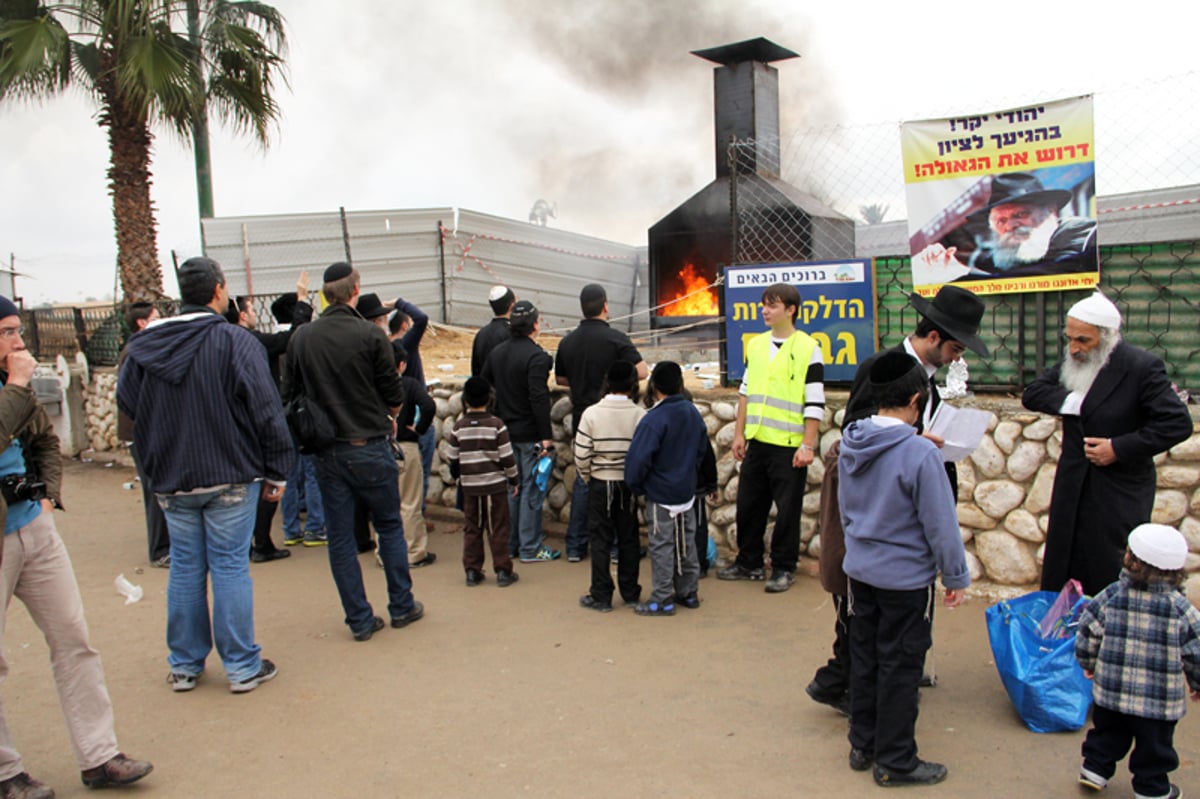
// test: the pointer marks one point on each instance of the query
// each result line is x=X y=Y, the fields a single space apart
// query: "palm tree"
x=135 y=59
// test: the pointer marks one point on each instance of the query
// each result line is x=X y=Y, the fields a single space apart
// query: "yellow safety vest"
x=775 y=389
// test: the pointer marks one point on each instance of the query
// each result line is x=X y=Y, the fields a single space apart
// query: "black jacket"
x=519 y=369
x=345 y=364
x=490 y=336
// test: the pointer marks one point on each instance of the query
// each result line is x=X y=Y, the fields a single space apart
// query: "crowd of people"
x=202 y=396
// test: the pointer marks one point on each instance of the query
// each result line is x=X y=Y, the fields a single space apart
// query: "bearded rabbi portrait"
x=1118 y=411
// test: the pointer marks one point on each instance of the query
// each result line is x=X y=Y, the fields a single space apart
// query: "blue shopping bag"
x=1043 y=679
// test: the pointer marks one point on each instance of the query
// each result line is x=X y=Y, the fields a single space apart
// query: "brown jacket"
x=21 y=413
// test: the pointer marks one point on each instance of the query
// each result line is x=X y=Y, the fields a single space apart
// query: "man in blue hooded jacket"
x=212 y=437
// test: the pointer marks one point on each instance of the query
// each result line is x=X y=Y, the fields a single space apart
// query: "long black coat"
x=1093 y=508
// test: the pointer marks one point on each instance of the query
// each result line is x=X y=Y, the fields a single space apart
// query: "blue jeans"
x=304 y=470
x=367 y=473
x=526 y=507
x=577 y=524
x=210 y=536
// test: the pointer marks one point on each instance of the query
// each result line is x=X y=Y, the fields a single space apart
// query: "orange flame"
x=695 y=299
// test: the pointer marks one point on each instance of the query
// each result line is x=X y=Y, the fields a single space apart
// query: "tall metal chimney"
x=746 y=102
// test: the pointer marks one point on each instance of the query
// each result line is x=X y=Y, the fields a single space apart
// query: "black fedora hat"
x=958 y=312
x=1023 y=187
x=369 y=306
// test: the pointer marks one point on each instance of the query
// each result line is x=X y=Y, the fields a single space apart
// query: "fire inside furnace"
x=696 y=298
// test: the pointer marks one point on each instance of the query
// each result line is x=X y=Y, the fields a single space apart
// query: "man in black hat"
x=948 y=327
x=345 y=365
x=1026 y=235
x=519 y=370
x=581 y=363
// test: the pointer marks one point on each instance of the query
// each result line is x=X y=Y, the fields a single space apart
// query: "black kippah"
x=890 y=367
x=337 y=271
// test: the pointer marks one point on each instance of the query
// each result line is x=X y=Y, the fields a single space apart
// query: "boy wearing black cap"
x=1139 y=639
x=901 y=530
x=603 y=438
x=481 y=457
x=662 y=463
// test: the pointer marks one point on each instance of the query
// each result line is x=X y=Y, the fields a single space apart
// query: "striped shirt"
x=603 y=437
x=1143 y=643
x=479 y=445
x=814 y=381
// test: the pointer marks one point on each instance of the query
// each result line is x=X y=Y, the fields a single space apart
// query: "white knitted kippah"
x=497 y=292
x=1097 y=310
x=1160 y=545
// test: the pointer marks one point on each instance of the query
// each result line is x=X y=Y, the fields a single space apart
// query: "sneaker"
x=575 y=557
x=315 y=540
x=691 y=601
x=838 y=701
x=161 y=563
x=266 y=557
x=654 y=609
x=543 y=555
x=265 y=674
x=24 y=786
x=505 y=579
x=1090 y=779
x=860 y=760
x=474 y=577
x=591 y=603
x=120 y=770
x=925 y=773
x=737 y=571
x=780 y=581
x=292 y=539
x=428 y=560
x=405 y=619
x=376 y=626
x=181 y=682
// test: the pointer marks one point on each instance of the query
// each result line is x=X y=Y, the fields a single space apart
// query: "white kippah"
x=1160 y=545
x=497 y=292
x=1097 y=310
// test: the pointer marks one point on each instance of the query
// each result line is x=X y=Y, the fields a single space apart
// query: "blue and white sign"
x=837 y=308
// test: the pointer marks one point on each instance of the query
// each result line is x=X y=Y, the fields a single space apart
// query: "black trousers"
x=768 y=476
x=1153 y=742
x=264 y=515
x=158 y=540
x=612 y=516
x=833 y=679
x=890 y=632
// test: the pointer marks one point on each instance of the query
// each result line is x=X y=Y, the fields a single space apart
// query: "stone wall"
x=1004 y=487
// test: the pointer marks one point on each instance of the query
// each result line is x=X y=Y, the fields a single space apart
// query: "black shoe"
x=860 y=760
x=266 y=672
x=691 y=601
x=737 y=571
x=780 y=581
x=591 y=603
x=505 y=579
x=369 y=546
x=925 y=773
x=474 y=577
x=405 y=619
x=428 y=560
x=376 y=626
x=838 y=701
x=264 y=557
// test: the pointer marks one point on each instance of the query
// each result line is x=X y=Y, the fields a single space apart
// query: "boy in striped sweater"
x=604 y=433
x=481 y=458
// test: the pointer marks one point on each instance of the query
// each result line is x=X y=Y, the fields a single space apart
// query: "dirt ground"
x=518 y=693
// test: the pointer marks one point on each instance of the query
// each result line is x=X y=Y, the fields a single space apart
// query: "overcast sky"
x=595 y=105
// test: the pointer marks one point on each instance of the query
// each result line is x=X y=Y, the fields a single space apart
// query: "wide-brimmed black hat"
x=1023 y=187
x=958 y=312
x=370 y=307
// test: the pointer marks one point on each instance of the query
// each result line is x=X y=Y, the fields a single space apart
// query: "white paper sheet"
x=961 y=428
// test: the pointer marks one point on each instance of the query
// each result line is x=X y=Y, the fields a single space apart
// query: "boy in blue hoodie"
x=661 y=463
x=901 y=529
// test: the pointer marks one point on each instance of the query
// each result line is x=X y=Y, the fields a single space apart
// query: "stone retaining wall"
x=1004 y=487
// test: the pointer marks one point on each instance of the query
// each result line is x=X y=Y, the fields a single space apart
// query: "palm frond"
x=35 y=57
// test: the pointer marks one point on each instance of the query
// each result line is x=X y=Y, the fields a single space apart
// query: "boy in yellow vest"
x=782 y=402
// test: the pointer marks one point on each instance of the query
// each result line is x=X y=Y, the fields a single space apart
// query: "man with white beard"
x=1118 y=411
x=1027 y=236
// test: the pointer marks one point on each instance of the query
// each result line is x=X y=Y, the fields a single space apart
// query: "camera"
x=19 y=487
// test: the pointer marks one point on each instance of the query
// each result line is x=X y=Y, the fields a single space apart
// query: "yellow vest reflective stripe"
x=775 y=389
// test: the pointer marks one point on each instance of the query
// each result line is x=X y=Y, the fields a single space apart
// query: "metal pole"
x=442 y=270
x=246 y=260
x=200 y=148
x=345 y=235
x=734 y=230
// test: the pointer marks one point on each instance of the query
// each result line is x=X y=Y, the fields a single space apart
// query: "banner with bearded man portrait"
x=1003 y=202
